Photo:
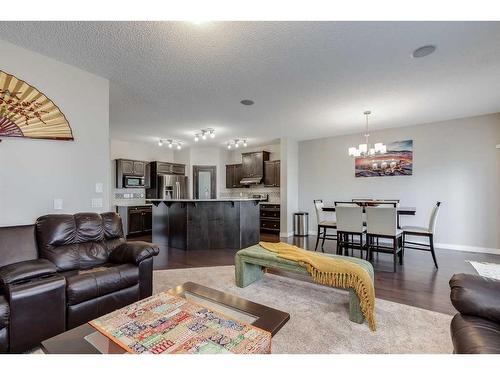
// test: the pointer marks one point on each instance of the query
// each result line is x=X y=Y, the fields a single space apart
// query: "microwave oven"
x=133 y=182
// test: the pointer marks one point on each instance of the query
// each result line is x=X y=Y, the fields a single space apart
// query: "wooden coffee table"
x=86 y=340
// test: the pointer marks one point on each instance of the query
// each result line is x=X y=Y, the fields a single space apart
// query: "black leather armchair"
x=64 y=271
x=476 y=329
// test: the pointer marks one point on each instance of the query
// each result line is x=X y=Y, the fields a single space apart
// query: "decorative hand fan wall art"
x=26 y=112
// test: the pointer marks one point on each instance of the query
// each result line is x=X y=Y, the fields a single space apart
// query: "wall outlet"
x=99 y=187
x=96 y=202
x=58 y=204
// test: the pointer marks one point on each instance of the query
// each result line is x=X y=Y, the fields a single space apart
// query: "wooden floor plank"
x=417 y=283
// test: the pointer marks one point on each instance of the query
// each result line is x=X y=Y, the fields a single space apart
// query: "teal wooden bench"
x=251 y=262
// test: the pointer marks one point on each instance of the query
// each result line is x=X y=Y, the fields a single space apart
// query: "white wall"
x=203 y=155
x=289 y=185
x=140 y=151
x=34 y=172
x=455 y=162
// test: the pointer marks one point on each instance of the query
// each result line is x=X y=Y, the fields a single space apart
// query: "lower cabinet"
x=269 y=217
x=137 y=220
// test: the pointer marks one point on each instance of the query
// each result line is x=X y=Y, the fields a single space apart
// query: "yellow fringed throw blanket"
x=333 y=272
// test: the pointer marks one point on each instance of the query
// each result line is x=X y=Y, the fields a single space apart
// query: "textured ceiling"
x=308 y=79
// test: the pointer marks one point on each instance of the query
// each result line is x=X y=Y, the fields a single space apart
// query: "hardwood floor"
x=417 y=282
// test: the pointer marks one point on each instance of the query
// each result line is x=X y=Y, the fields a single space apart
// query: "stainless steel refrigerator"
x=172 y=187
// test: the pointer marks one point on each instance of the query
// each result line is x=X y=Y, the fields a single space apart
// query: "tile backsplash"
x=273 y=193
x=126 y=197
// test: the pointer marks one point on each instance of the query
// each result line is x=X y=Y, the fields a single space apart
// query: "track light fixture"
x=171 y=143
x=236 y=143
x=204 y=133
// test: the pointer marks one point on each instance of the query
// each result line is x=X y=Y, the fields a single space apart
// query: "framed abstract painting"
x=397 y=161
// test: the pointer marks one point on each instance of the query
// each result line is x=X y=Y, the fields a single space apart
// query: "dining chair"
x=323 y=225
x=349 y=228
x=381 y=223
x=427 y=232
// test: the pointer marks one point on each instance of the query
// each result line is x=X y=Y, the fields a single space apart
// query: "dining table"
x=409 y=211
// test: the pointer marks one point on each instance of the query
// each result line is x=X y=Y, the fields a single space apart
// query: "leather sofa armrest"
x=133 y=252
x=22 y=271
x=476 y=295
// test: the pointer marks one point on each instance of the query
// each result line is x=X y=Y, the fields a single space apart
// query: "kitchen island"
x=205 y=224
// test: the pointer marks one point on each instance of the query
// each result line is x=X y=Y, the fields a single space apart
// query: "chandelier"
x=366 y=149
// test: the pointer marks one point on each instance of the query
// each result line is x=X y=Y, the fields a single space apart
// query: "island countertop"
x=206 y=200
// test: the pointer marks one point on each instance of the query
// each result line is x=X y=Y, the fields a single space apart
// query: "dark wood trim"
x=213 y=179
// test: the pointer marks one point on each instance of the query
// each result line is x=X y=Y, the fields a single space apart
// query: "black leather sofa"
x=65 y=270
x=476 y=328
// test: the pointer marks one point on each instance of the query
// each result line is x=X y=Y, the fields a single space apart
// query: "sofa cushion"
x=474 y=335
x=4 y=312
x=93 y=283
x=78 y=241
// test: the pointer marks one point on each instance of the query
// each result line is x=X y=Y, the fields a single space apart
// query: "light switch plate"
x=99 y=187
x=58 y=204
x=96 y=202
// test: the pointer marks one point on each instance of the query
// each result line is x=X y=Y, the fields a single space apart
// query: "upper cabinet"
x=126 y=167
x=253 y=163
x=272 y=173
x=233 y=176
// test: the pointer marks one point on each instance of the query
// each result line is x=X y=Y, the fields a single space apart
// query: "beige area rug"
x=319 y=317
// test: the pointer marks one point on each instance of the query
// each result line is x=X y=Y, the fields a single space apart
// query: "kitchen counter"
x=206 y=200
x=205 y=224
x=133 y=204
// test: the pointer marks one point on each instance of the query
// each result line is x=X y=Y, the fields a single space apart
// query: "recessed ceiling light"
x=423 y=51
x=247 y=102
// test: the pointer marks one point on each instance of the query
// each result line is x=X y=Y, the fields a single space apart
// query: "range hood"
x=251 y=180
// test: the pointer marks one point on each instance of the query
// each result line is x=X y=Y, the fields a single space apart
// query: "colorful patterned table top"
x=166 y=323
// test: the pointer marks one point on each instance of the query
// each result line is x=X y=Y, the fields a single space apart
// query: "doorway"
x=204 y=181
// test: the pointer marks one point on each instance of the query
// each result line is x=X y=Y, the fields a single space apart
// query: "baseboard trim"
x=471 y=249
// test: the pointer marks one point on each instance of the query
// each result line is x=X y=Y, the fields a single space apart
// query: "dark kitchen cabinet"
x=139 y=168
x=134 y=222
x=137 y=220
x=253 y=163
x=272 y=173
x=233 y=176
x=169 y=168
x=125 y=167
